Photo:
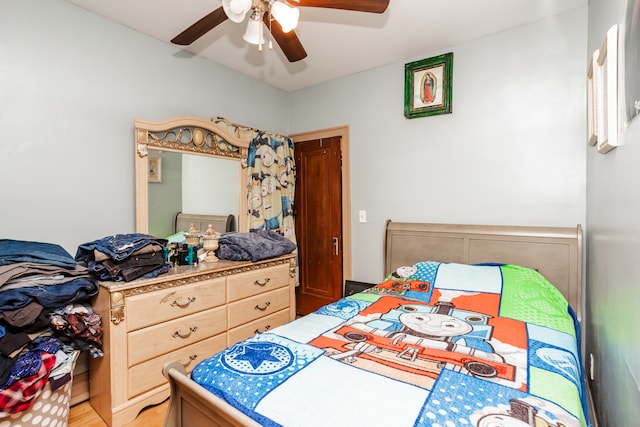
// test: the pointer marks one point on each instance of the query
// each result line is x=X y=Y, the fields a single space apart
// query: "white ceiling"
x=338 y=43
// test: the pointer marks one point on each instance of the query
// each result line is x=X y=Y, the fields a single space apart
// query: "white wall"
x=71 y=84
x=512 y=152
x=613 y=270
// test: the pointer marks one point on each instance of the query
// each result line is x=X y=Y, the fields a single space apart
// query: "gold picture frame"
x=154 y=168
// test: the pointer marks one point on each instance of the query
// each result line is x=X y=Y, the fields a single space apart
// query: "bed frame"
x=220 y=223
x=555 y=252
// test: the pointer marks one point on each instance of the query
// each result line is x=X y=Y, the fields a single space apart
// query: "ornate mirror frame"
x=189 y=135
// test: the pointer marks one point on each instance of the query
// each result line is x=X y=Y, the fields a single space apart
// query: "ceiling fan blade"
x=372 y=6
x=201 y=27
x=288 y=42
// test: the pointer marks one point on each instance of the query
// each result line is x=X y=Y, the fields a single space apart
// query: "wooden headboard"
x=556 y=252
x=220 y=223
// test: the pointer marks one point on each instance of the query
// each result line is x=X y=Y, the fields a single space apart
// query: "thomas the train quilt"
x=434 y=344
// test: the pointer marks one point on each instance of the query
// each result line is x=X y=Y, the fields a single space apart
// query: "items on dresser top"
x=253 y=246
x=124 y=257
x=43 y=321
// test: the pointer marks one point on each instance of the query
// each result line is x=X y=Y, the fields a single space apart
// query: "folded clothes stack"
x=39 y=284
x=124 y=257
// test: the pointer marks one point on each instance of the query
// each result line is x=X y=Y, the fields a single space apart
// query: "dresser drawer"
x=259 y=306
x=148 y=375
x=244 y=285
x=159 y=306
x=153 y=341
x=263 y=324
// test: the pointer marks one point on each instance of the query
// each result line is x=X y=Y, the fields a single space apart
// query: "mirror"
x=190 y=184
x=187 y=165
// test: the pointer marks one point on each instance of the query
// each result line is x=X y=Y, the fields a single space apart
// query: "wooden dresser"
x=186 y=315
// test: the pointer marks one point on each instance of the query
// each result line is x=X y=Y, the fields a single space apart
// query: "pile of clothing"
x=124 y=257
x=253 y=246
x=41 y=287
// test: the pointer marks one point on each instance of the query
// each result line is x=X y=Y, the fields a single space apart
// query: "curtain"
x=270 y=179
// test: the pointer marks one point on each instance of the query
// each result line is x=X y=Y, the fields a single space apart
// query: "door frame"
x=343 y=133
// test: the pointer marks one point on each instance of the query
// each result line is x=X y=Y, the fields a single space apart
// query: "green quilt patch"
x=529 y=297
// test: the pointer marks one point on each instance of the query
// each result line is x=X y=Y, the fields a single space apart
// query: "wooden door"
x=318 y=219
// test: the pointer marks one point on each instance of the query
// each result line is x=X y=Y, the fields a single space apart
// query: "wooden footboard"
x=193 y=406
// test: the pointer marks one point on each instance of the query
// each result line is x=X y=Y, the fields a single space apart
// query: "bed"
x=220 y=223
x=464 y=328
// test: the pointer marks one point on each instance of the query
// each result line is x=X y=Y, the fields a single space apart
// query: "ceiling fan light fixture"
x=236 y=9
x=241 y=6
x=253 y=34
x=286 y=15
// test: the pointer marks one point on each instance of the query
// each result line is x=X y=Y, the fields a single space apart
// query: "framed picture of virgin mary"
x=428 y=86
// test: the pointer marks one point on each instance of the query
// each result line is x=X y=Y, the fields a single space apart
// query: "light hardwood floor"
x=83 y=415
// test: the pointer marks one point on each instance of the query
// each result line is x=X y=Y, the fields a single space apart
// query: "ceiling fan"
x=278 y=16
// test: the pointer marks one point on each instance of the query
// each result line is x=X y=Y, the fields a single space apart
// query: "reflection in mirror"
x=191 y=184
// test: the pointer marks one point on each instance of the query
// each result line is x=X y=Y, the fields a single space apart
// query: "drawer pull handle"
x=267 y=304
x=177 y=334
x=183 y=305
x=266 y=328
x=191 y=359
x=262 y=283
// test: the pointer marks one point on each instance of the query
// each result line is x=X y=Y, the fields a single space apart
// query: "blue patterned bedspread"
x=446 y=345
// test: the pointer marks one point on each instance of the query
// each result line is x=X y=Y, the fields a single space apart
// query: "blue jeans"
x=50 y=296
x=118 y=247
x=103 y=273
x=12 y=251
